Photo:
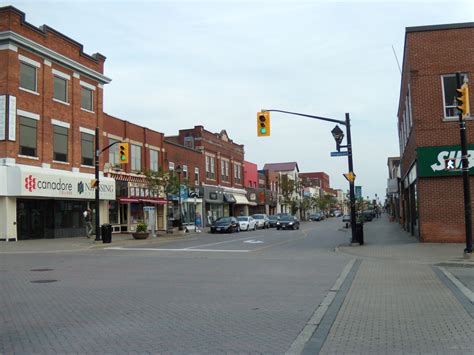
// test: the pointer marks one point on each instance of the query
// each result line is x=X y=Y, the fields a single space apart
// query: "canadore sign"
x=432 y=161
x=50 y=183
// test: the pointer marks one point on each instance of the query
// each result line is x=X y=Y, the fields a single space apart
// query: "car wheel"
x=298 y=227
x=278 y=228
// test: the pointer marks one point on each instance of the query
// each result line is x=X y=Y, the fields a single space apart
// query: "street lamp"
x=338 y=135
x=179 y=170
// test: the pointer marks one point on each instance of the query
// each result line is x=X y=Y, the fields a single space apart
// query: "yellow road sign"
x=350 y=176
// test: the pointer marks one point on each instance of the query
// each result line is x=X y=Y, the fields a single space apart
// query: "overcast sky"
x=177 y=64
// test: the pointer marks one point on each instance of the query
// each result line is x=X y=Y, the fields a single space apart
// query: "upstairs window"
x=28 y=78
x=87 y=145
x=60 y=143
x=153 y=160
x=60 y=89
x=87 y=97
x=136 y=157
x=450 y=94
x=114 y=159
x=196 y=176
x=28 y=128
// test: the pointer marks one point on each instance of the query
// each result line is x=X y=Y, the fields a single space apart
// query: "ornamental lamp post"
x=179 y=170
x=338 y=135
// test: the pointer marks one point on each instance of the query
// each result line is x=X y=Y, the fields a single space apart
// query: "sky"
x=178 y=64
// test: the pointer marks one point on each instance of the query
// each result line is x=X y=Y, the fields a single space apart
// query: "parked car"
x=315 y=217
x=273 y=219
x=288 y=222
x=367 y=215
x=337 y=213
x=247 y=223
x=346 y=219
x=262 y=220
x=225 y=225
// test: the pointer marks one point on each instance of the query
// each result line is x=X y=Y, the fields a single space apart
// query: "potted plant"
x=141 y=232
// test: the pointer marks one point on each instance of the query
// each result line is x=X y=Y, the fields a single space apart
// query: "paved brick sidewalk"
x=397 y=303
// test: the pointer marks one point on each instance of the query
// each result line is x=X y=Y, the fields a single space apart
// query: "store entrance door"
x=31 y=218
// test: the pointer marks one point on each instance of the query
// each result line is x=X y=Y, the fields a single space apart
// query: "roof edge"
x=449 y=26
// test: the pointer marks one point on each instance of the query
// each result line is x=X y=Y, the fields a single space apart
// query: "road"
x=250 y=292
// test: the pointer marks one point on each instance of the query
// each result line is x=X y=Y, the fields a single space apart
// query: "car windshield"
x=258 y=216
x=273 y=218
x=243 y=219
x=223 y=220
x=286 y=218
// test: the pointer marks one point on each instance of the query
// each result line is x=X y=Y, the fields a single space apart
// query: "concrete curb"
x=464 y=290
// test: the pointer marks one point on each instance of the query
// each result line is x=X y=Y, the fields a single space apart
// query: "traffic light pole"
x=97 y=188
x=346 y=123
x=465 y=178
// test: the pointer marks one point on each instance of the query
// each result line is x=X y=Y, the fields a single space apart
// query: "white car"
x=247 y=223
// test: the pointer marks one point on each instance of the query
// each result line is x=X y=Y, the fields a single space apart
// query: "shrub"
x=141 y=227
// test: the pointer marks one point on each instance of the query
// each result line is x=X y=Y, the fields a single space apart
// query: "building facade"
x=431 y=194
x=51 y=96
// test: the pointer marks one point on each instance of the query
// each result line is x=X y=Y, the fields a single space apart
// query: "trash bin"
x=106 y=233
x=359 y=232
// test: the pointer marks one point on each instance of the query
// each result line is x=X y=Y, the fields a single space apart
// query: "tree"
x=288 y=189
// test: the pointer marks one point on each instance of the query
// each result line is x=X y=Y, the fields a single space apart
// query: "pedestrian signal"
x=123 y=153
x=263 y=124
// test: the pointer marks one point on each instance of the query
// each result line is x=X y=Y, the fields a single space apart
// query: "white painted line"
x=467 y=292
x=310 y=327
x=253 y=241
x=224 y=242
x=184 y=249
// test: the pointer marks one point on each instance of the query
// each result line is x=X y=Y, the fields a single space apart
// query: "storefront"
x=135 y=201
x=48 y=203
x=191 y=205
x=213 y=204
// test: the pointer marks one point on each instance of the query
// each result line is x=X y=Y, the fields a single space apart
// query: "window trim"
x=19 y=138
x=92 y=99
x=67 y=90
x=67 y=142
x=157 y=159
x=450 y=118
x=35 y=91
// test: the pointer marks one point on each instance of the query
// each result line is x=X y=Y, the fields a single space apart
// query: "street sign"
x=350 y=176
x=339 y=154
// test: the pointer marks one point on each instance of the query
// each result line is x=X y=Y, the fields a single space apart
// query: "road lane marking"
x=253 y=241
x=183 y=249
x=282 y=242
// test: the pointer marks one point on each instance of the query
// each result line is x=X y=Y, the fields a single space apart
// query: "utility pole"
x=351 y=183
x=97 y=188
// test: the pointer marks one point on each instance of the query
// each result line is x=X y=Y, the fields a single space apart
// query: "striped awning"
x=128 y=178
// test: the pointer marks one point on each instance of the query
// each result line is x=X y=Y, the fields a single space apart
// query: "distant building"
x=432 y=195
x=319 y=179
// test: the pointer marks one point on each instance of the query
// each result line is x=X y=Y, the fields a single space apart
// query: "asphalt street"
x=247 y=292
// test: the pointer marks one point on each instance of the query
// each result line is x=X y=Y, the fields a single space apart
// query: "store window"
x=87 y=145
x=28 y=128
x=60 y=143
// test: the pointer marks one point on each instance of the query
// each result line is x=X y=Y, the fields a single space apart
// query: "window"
x=225 y=170
x=60 y=89
x=87 y=98
x=450 y=94
x=114 y=159
x=28 y=136
x=196 y=176
x=237 y=173
x=171 y=166
x=153 y=160
x=60 y=143
x=136 y=157
x=28 y=77
x=185 y=171
x=210 y=167
x=87 y=149
x=189 y=142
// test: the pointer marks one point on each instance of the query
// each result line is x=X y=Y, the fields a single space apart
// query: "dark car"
x=367 y=215
x=225 y=225
x=288 y=222
x=272 y=220
x=315 y=217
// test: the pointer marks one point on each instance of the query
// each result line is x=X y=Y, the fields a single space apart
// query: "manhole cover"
x=41 y=269
x=43 y=281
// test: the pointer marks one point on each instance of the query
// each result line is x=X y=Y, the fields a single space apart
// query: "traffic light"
x=463 y=100
x=123 y=153
x=263 y=124
x=94 y=183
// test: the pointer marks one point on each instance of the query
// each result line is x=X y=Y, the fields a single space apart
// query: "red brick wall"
x=429 y=55
x=181 y=155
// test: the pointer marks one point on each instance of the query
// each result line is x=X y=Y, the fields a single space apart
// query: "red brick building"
x=51 y=96
x=135 y=201
x=223 y=178
x=432 y=196
x=319 y=179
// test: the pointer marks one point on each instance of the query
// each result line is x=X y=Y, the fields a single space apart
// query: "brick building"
x=51 y=96
x=432 y=197
x=222 y=179
x=136 y=202
x=319 y=179
x=191 y=162
x=274 y=173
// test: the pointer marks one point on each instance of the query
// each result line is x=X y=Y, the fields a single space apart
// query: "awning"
x=241 y=199
x=129 y=178
x=229 y=198
x=127 y=200
x=154 y=201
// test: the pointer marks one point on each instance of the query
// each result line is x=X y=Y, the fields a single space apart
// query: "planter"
x=141 y=235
